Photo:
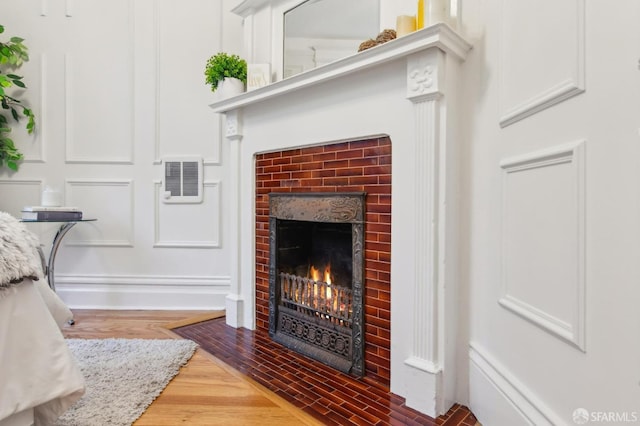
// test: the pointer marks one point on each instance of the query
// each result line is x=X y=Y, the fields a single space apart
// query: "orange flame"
x=315 y=273
x=326 y=274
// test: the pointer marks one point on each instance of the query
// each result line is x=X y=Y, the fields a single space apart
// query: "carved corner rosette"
x=425 y=71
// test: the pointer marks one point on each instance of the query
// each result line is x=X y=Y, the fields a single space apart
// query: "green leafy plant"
x=12 y=55
x=223 y=65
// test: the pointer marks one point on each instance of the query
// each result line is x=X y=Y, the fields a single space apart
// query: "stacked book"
x=51 y=214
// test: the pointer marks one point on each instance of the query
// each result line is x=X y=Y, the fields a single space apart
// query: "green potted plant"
x=226 y=73
x=13 y=54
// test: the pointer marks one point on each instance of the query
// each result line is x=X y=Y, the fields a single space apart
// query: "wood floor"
x=206 y=391
x=332 y=397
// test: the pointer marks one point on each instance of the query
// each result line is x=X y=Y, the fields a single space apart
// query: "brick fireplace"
x=398 y=99
x=344 y=167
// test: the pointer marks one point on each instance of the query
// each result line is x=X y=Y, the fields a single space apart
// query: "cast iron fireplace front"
x=316 y=268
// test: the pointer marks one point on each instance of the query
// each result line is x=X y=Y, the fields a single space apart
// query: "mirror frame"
x=277 y=43
x=276 y=10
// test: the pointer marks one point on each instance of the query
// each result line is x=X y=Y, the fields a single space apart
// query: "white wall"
x=115 y=87
x=552 y=205
x=550 y=190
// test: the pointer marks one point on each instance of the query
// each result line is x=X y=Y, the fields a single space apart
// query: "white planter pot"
x=230 y=87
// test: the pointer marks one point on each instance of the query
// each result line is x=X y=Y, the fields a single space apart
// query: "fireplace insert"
x=316 y=276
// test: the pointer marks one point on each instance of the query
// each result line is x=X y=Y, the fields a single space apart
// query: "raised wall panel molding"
x=17 y=193
x=214 y=159
x=38 y=182
x=571 y=81
x=563 y=91
x=126 y=153
x=528 y=405
x=42 y=131
x=110 y=201
x=143 y=291
x=38 y=136
x=156 y=38
x=543 y=239
x=212 y=214
x=145 y=280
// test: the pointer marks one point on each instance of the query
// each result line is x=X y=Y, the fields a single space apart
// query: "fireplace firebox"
x=316 y=276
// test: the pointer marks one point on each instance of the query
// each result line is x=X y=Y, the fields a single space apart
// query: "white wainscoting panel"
x=32 y=145
x=497 y=397
x=177 y=81
x=188 y=225
x=542 y=59
x=108 y=200
x=543 y=239
x=17 y=193
x=100 y=127
x=143 y=291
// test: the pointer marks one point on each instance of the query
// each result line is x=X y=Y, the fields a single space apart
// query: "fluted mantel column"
x=424 y=72
x=234 y=301
x=431 y=88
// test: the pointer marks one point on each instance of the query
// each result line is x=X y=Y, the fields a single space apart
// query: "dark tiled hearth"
x=330 y=396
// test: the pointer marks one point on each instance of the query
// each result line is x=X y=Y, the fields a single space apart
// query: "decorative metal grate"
x=317 y=299
x=318 y=319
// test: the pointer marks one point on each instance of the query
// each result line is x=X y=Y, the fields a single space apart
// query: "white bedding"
x=37 y=370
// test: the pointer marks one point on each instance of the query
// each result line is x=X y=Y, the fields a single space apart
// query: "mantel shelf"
x=439 y=35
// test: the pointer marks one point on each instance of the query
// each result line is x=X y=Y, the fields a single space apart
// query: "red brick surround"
x=355 y=166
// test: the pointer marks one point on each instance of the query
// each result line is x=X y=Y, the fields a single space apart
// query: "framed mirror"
x=318 y=32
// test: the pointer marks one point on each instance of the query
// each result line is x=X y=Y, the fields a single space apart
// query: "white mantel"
x=439 y=35
x=407 y=89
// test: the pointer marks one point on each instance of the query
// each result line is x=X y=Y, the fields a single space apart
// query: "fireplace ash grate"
x=317 y=299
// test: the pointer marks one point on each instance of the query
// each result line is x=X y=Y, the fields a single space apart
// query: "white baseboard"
x=143 y=292
x=497 y=397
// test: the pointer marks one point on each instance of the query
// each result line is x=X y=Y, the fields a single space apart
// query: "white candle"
x=405 y=24
x=437 y=11
x=51 y=198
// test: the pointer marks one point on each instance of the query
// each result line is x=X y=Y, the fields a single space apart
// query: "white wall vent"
x=182 y=181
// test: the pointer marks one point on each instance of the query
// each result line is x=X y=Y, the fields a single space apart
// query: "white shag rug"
x=123 y=377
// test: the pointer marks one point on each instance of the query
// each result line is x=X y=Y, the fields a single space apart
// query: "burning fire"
x=324 y=276
x=315 y=274
x=316 y=291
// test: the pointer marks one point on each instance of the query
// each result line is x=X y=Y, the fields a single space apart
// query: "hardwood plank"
x=206 y=391
x=194 y=319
